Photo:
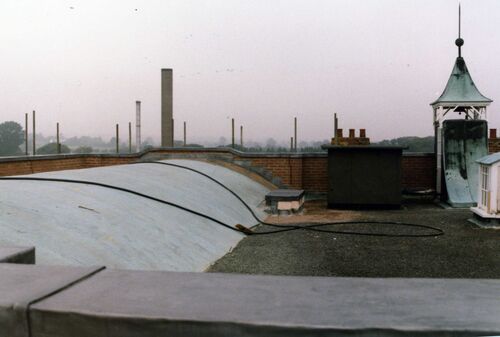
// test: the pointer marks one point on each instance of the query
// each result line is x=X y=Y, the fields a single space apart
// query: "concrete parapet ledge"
x=23 y=285
x=113 y=303
x=15 y=254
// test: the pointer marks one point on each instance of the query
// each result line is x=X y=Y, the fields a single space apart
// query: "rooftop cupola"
x=460 y=128
x=460 y=94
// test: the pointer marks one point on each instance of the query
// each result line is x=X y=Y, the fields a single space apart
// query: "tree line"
x=12 y=138
x=12 y=143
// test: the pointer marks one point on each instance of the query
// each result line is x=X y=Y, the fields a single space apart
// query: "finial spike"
x=459 y=19
x=459 y=42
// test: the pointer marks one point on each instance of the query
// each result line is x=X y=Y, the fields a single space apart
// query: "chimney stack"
x=166 y=108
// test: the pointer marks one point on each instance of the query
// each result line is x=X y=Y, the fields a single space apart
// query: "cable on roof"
x=85 y=182
x=308 y=226
x=239 y=228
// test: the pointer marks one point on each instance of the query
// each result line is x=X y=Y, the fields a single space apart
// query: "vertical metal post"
x=26 y=133
x=184 y=133
x=295 y=134
x=117 y=139
x=173 y=139
x=439 y=160
x=241 y=137
x=57 y=139
x=291 y=144
x=438 y=150
x=34 y=134
x=137 y=126
x=335 y=128
x=129 y=137
x=232 y=132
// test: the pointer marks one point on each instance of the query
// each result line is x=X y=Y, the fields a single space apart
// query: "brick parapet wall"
x=306 y=171
x=37 y=164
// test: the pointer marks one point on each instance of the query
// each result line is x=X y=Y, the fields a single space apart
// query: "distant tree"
x=83 y=149
x=85 y=141
x=124 y=148
x=51 y=148
x=11 y=136
x=271 y=143
x=146 y=146
x=112 y=143
x=222 y=141
x=413 y=144
x=149 y=141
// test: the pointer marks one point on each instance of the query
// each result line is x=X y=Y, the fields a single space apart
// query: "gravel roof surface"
x=464 y=251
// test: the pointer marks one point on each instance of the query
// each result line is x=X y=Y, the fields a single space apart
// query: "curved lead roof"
x=85 y=225
x=461 y=88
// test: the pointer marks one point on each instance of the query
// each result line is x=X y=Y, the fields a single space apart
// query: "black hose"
x=311 y=226
x=283 y=228
x=84 y=182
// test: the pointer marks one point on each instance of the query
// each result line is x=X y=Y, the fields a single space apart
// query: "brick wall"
x=286 y=168
x=315 y=174
x=28 y=165
x=418 y=171
x=493 y=142
x=301 y=171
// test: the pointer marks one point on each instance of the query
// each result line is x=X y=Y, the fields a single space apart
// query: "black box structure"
x=364 y=176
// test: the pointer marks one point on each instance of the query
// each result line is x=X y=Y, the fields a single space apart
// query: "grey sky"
x=378 y=64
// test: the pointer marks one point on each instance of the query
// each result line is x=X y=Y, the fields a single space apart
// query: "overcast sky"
x=378 y=64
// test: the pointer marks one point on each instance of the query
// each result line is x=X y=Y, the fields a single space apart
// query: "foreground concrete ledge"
x=133 y=303
x=16 y=254
x=21 y=285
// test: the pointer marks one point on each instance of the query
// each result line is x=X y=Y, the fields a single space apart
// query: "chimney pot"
x=362 y=133
x=339 y=133
x=493 y=133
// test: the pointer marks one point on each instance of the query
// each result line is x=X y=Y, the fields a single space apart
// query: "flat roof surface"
x=464 y=251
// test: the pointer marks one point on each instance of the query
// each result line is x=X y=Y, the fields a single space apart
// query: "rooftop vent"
x=288 y=201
